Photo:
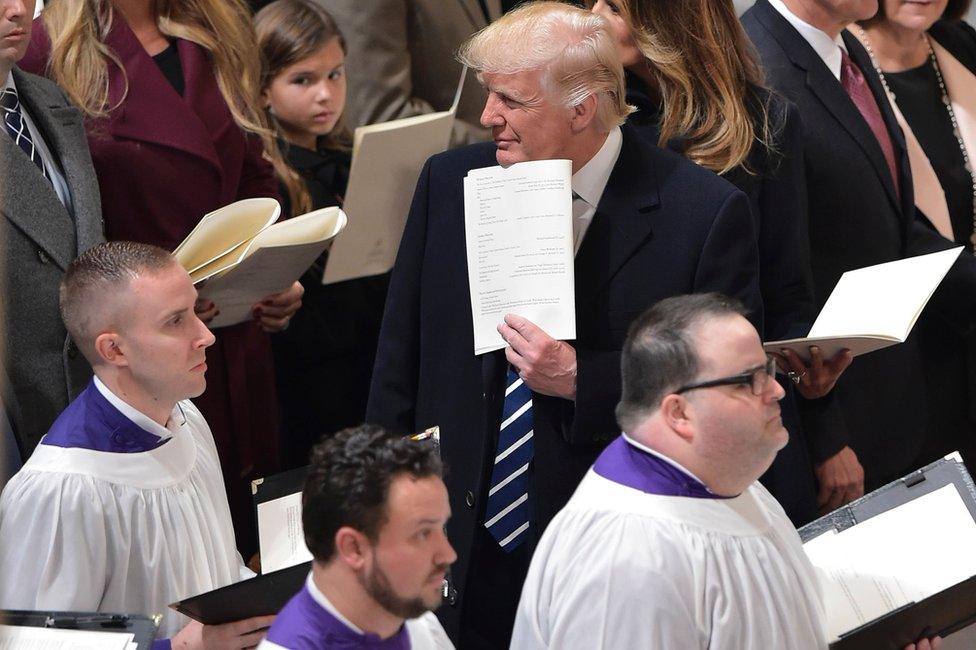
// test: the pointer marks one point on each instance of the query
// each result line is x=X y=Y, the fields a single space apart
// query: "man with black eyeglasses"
x=670 y=541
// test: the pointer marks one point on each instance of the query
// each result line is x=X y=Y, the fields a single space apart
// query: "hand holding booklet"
x=873 y=307
x=518 y=223
x=898 y=564
x=238 y=255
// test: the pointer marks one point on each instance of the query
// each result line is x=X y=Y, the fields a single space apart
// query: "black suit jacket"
x=857 y=218
x=663 y=227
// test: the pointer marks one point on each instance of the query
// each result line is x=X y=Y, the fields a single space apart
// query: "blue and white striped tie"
x=13 y=121
x=507 y=512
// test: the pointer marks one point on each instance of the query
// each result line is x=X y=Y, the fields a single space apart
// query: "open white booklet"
x=386 y=161
x=904 y=555
x=518 y=223
x=280 y=534
x=269 y=263
x=873 y=307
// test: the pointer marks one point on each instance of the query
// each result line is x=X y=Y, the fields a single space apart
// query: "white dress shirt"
x=51 y=165
x=828 y=49
x=590 y=181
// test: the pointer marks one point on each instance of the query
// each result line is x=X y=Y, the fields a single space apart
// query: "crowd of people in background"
x=726 y=172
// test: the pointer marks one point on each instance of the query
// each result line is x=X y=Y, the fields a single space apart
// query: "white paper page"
x=280 y=535
x=518 y=224
x=14 y=637
x=271 y=263
x=893 y=559
x=386 y=163
x=884 y=299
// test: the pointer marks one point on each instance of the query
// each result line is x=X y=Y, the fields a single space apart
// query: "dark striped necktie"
x=507 y=511
x=16 y=127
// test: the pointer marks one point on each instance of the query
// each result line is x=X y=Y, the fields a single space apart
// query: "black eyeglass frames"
x=756 y=378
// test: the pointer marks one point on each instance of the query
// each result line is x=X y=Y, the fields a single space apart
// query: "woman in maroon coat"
x=168 y=88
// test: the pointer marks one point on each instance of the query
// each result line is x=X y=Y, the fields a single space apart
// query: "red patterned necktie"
x=856 y=86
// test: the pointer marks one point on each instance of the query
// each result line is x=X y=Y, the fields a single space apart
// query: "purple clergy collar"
x=304 y=624
x=623 y=463
x=91 y=422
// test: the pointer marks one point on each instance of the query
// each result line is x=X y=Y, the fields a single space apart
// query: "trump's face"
x=525 y=122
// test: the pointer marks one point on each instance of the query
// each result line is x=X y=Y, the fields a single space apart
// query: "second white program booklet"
x=874 y=307
x=518 y=223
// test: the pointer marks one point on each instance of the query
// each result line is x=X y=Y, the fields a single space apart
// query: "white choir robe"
x=619 y=568
x=88 y=530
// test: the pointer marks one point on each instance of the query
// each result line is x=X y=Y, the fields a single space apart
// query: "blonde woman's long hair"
x=706 y=73
x=289 y=31
x=80 y=58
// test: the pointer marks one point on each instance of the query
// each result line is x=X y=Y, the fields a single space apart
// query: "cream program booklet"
x=874 y=307
x=518 y=225
x=266 y=264
x=222 y=231
x=386 y=160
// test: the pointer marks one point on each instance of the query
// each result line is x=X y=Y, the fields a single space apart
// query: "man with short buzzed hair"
x=122 y=508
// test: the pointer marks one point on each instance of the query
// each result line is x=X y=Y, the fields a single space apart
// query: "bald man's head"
x=94 y=290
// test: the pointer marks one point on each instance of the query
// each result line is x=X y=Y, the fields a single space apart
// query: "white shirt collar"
x=591 y=179
x=10 y=82
x=327 y=605
x=657 y=454
x=176 y=418
x=828 y=49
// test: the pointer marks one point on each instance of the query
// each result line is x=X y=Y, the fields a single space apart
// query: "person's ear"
x=352 y=547
x=109 y=348
x=584 y=114
x=679 y=414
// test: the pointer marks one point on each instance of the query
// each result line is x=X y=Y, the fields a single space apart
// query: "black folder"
x=258 y=596
x=142 y=628
x=938 y=615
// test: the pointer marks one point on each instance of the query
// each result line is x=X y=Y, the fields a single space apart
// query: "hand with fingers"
x=246 y=633
x=546 y=365
x=205 y=310
x=841 y=480
x=817 y=377
x=926 y=644
x=275 y=311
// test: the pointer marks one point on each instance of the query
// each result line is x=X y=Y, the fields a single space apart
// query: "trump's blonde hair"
x=572 y=48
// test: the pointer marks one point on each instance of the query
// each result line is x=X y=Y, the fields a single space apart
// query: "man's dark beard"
x=377 y=585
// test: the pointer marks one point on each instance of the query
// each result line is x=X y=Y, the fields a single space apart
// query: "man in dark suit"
x=51 y=210
x=648 y=224
x=861 y=212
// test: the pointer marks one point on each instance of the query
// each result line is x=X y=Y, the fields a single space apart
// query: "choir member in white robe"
x=374 y=509
x=122 y=507
x=670 y=541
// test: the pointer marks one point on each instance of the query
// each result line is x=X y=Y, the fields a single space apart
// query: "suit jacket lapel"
x=827 y=89
x=622 y=222
x=151 y=110
x=64 y=134
x=29 y=200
